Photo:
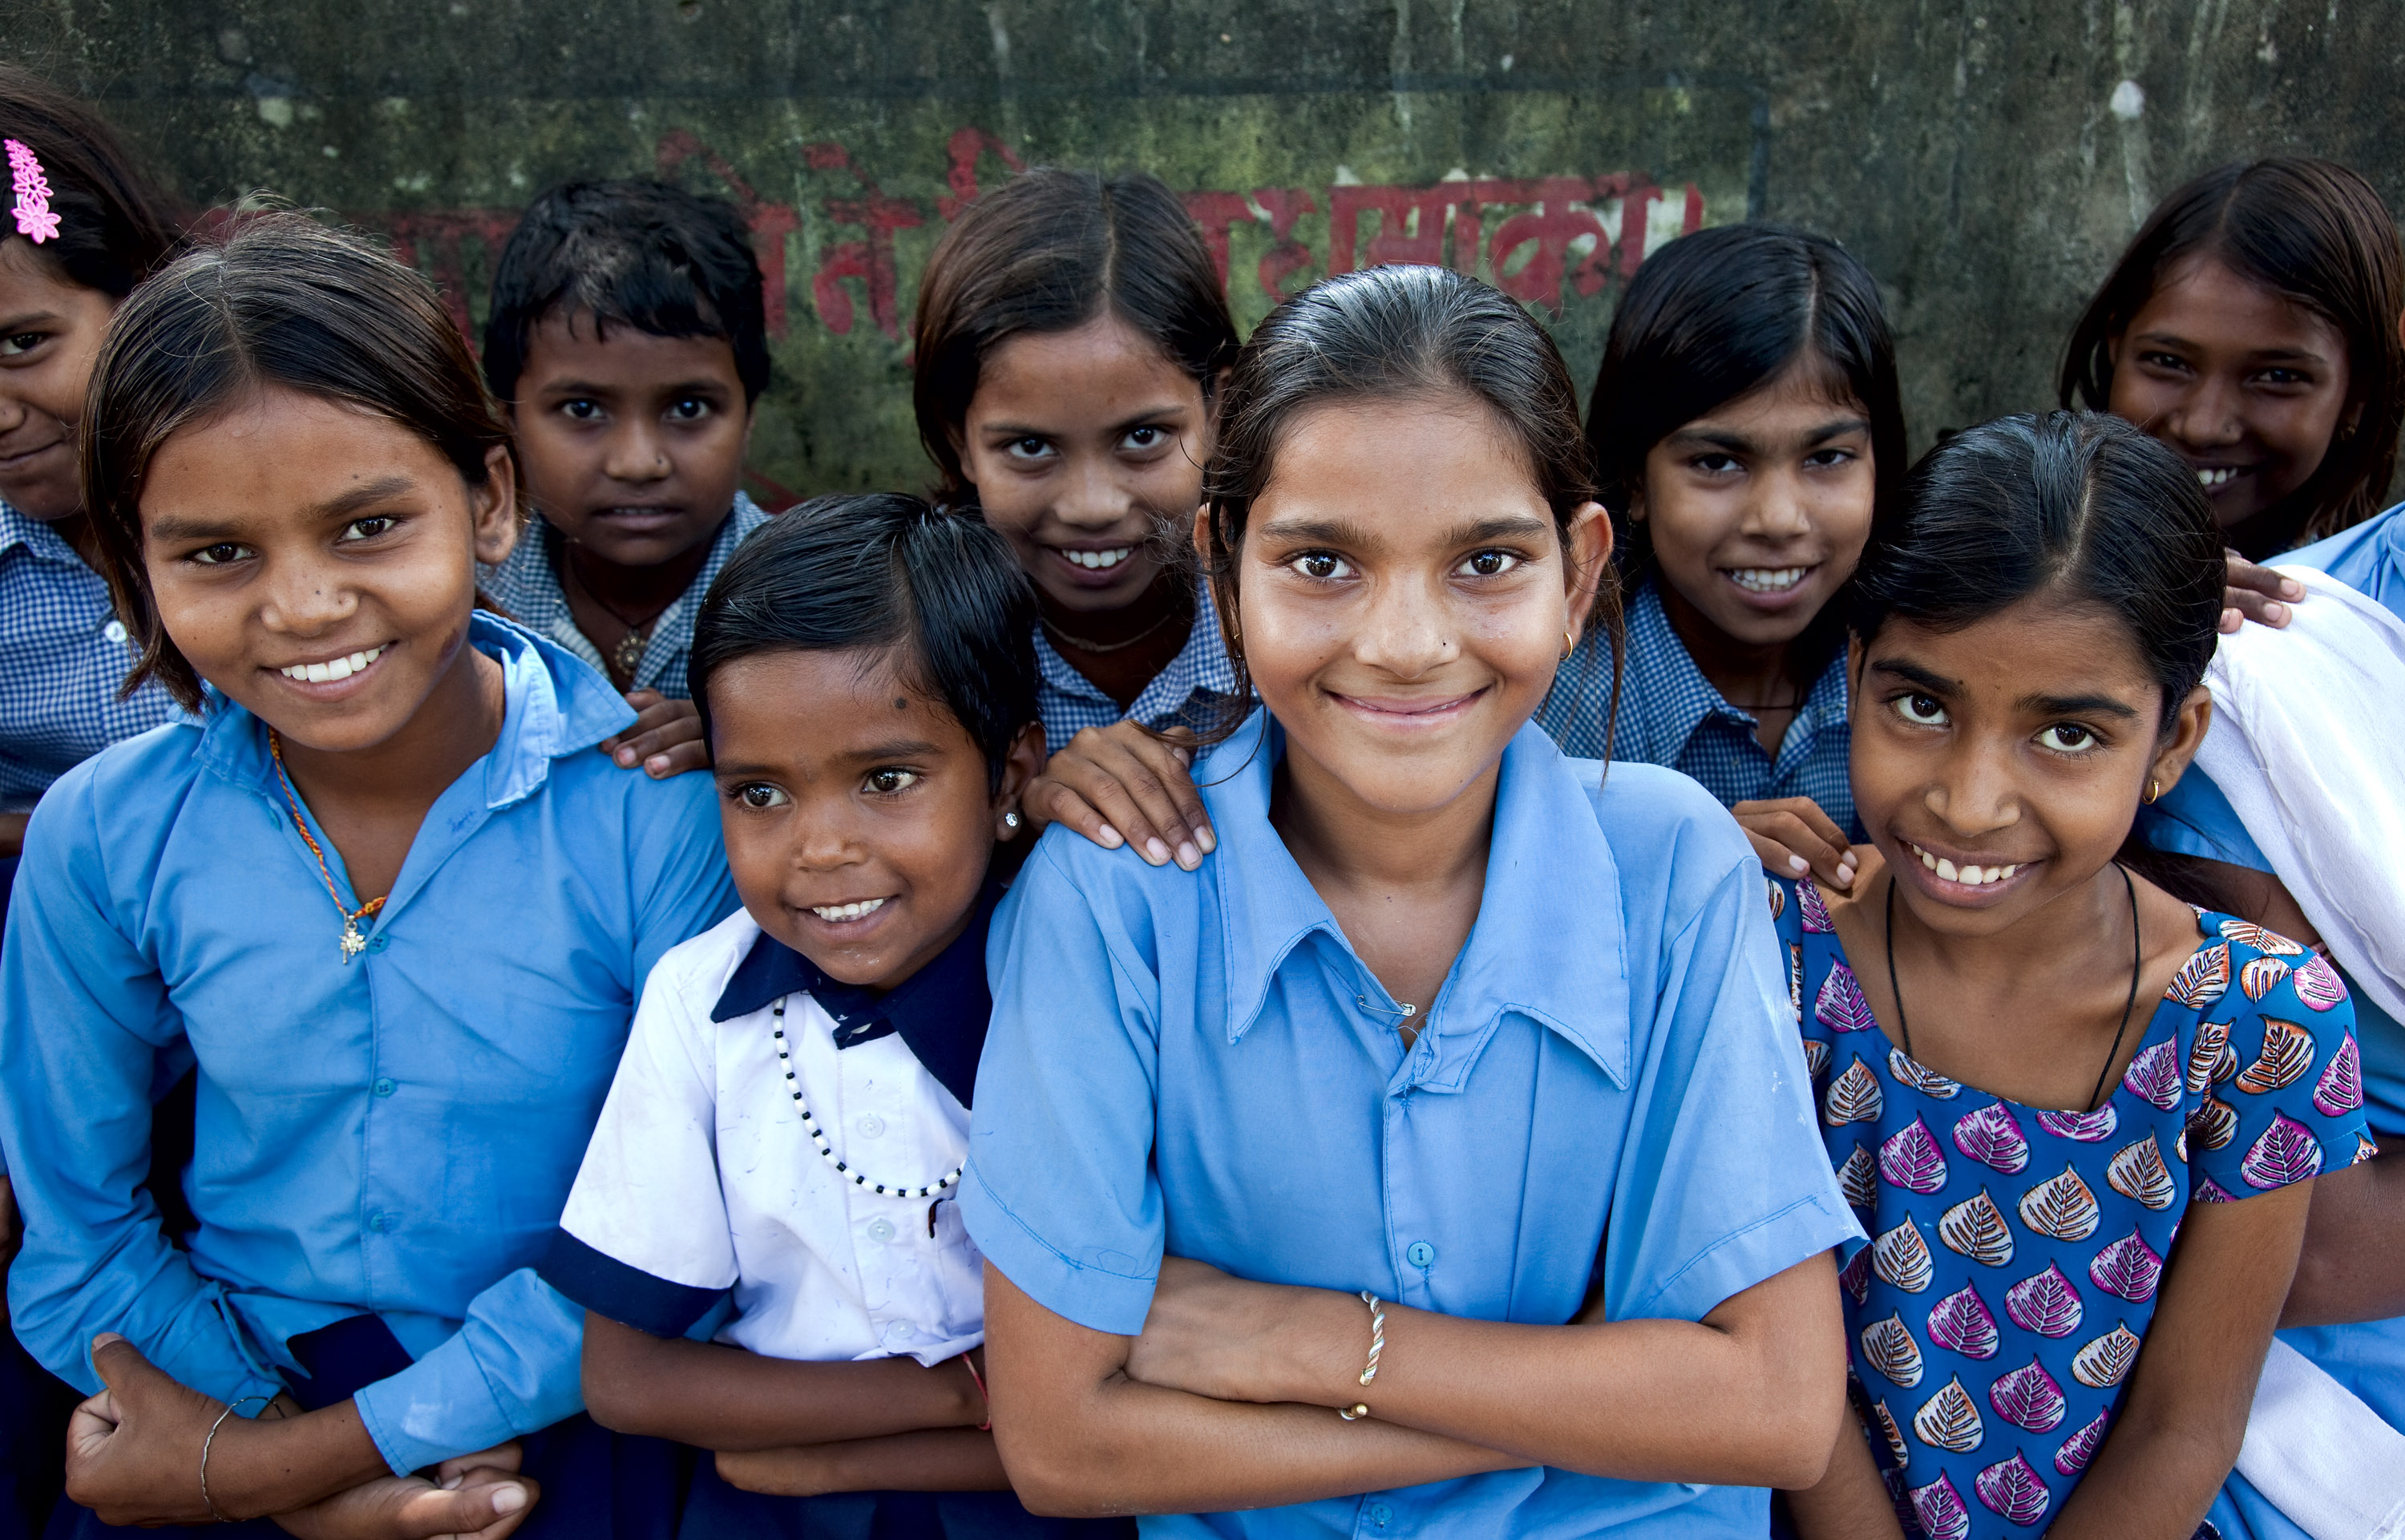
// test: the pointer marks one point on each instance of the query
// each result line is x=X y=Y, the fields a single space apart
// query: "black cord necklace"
x=629 y=653
x=2136 y=958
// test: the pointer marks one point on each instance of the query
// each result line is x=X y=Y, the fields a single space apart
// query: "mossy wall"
x=1986 y=160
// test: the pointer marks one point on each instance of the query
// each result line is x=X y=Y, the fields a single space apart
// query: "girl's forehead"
x=1395 y=464
x=2029 y=646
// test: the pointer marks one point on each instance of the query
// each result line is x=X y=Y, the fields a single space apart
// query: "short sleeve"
x=645 y=1239
x=2195 y=818
x=2278 y=1068
x=1724 y=1181
x=1060 y=1193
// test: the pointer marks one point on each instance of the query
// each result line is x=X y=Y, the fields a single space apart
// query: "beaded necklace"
x=826 y=1150
x=353 y=943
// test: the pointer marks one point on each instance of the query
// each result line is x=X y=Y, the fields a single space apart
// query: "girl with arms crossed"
x=1462 y=1065
x=381 y=890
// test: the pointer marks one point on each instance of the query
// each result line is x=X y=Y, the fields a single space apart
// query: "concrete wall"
x=1985 y=159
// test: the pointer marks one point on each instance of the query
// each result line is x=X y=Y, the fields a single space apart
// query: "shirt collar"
x=35 y=535
x=1549 y=944
x=940 y=1011
x=1201 y=669
x=1667 y=693
x=554 y=705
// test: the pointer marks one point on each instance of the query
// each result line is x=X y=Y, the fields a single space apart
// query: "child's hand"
x=133 y=1450
x=665 y=738
x=1120 y=784
x=801 y=1470
x=476 y=1496
x=1793 y=836
x=2254 y=593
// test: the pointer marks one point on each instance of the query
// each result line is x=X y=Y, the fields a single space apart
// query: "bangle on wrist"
x=207 y=1444
x=1361 y=1409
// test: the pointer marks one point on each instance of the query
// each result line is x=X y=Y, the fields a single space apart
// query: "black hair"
x=1048 y=251
x=630 y=253
x=884 y=570
x=2316 y=233
x=116 y=225
x=2080 y=505
x=1379 y=336
x=1716 y=316
x=283 y=302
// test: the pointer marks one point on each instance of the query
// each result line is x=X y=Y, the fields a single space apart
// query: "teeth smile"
x=1967 y=876
x=1097 y=561
x=332 y=668
x=2218 y=476
x=1767 y=580
x=848 y=911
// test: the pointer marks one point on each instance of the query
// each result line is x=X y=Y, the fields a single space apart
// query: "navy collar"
x=941 y=1010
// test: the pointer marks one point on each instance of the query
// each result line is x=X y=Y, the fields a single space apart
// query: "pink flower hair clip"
x=34 y=220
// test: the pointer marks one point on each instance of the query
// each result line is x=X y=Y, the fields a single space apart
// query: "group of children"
x=532 y=1001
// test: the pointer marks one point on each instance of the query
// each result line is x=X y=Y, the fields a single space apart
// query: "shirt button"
x=379 y=1221
x=871 y=1126
x=880 y=1230
x=900 y=1330
x=1380 y=1513
x=383 y=1087
x=1421 y=1255
x=114 y=630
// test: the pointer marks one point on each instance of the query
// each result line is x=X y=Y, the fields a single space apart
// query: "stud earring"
x=1010 y=821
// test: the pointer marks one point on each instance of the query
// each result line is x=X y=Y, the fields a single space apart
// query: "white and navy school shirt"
x=702 y=1182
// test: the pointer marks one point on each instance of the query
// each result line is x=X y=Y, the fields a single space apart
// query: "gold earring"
x=2154 y=788
x=1569 y=642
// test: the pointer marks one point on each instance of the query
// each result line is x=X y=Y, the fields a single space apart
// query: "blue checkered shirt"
x=1188 y=692
x=1670 y=714
x=63 y=656
x=528 y=586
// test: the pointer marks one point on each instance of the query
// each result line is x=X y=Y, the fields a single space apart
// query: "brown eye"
x=759 y=795
x=890 y=781
x=1490 y=564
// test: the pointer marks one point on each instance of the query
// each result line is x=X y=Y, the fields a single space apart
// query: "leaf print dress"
x=2015 y=1253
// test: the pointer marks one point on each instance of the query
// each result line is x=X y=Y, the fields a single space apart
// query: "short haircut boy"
x=630 y=253
x=884 y=570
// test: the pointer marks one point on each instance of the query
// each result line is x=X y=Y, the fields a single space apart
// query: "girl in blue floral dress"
x=2084 y=1214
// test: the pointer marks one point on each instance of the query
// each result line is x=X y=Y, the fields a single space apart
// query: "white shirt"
x=702 y=1179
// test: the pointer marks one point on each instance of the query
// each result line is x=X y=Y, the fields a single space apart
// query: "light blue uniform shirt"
x=394 y=1135
x=2194 y=818
x=1199 y=1063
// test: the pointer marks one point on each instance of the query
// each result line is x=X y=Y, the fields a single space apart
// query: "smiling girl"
x=1748 y=436
x=2024 y=1143
x=1431 y=1159
x=1072 y=343
x=383 y=893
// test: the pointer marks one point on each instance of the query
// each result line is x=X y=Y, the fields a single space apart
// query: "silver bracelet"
x=207 y=1501
x=1361 y=1409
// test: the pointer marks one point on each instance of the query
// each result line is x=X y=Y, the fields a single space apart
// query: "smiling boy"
x=628 y=340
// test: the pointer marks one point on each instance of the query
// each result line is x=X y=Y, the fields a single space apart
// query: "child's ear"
x=1588 y=553
x=1020 y=765
x=2179 y=745
x=493 y=508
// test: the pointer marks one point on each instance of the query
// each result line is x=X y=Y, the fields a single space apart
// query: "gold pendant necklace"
x=352 y=942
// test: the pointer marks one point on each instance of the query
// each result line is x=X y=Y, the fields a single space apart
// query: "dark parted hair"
x=939 y=590
x=1383 y=335
x=630 y=253
x=2314 y=233
x=286 y=303
x=2079 y=505
x=116 y=225
x=1716 y=316
x=1048 y=251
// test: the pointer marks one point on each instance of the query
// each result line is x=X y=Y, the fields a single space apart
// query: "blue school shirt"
x=1191 y=692
x=1671 y=715
x=393 y=1136
x=527 y=584
x=1199 y=1064
x=63 y=656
